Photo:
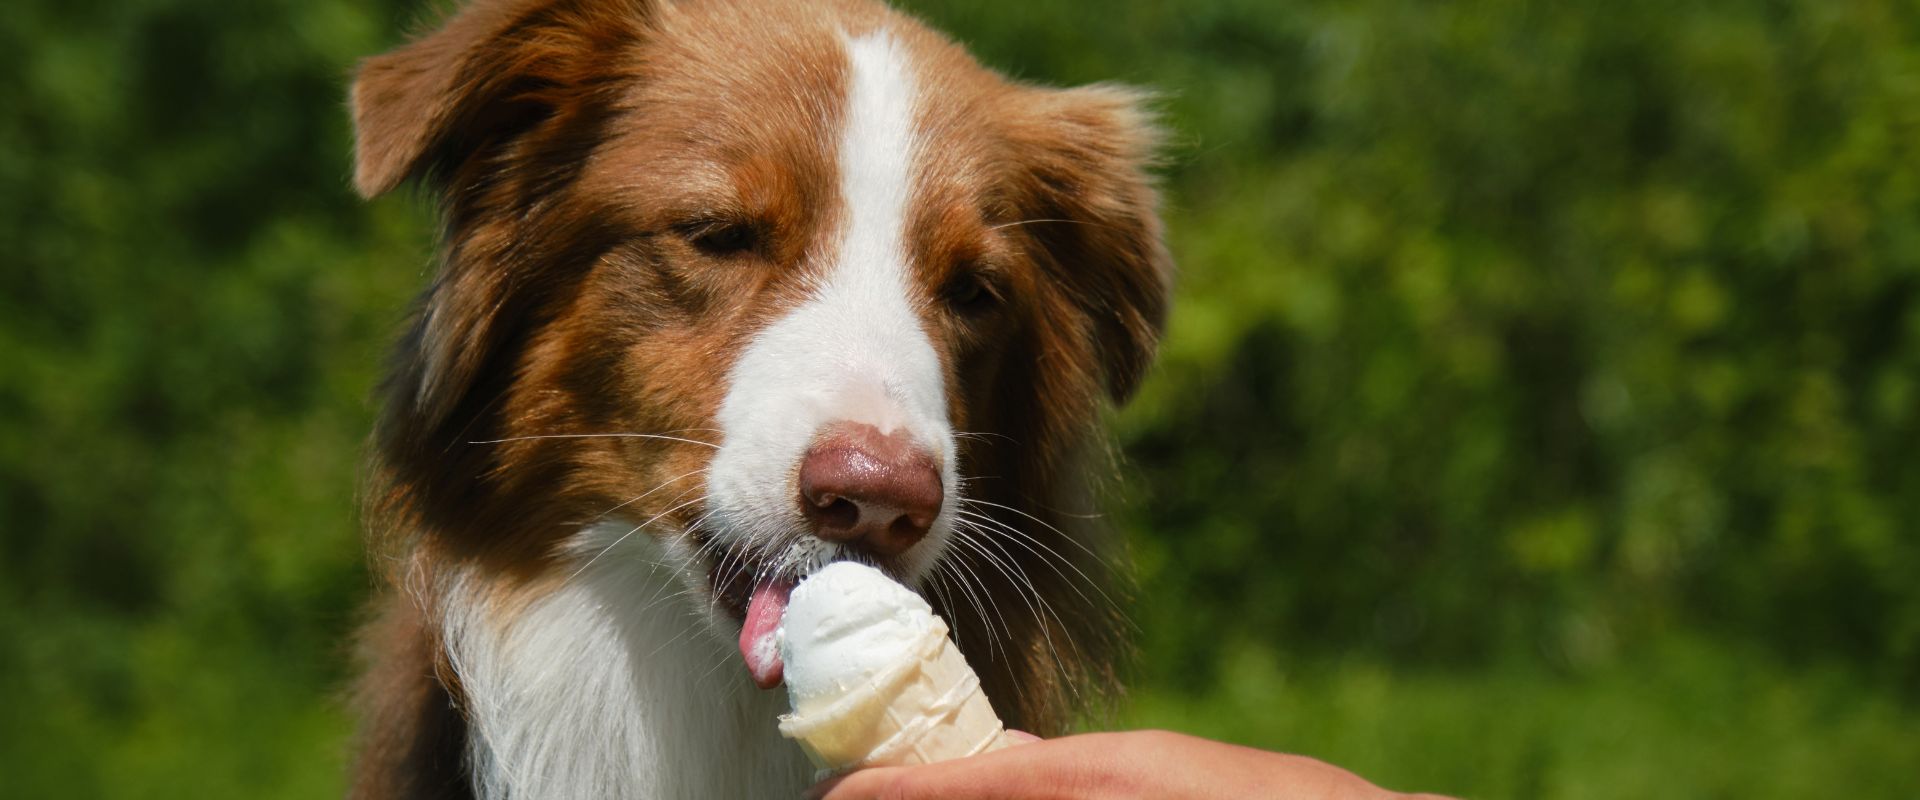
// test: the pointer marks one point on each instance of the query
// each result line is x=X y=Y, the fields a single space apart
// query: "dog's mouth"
x=752 y=588
x=731 y=575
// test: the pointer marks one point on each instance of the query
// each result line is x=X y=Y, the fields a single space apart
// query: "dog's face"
x=772 y=282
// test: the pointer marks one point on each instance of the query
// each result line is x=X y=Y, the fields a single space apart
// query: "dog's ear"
x=493 y=111
x=1087 y=153
x=496 y=68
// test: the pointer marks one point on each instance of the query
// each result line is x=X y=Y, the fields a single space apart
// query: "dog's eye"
x=722 y=239
x=971 y=294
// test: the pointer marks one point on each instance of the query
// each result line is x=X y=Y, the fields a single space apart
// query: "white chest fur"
x=614 y=686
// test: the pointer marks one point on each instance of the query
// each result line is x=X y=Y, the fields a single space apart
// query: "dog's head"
x=773 y=283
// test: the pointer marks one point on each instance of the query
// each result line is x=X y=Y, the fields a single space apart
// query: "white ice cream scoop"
x=873 y=679
x=844 y=625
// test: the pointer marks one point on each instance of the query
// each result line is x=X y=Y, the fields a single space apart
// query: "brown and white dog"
x=730 y=289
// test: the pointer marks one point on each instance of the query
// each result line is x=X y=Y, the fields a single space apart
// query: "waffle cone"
x=927 y=708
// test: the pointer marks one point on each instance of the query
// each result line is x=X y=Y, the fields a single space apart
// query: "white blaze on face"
x=855 y=351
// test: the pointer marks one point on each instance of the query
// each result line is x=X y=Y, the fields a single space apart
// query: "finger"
x=820 y=790
x=1033 y=769
x=869 y=782
x=865 y=783
x=877 y=777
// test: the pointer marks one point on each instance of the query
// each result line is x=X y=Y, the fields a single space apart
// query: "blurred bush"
x=1541 y=389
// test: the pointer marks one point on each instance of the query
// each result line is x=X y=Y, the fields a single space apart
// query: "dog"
x=728 y=290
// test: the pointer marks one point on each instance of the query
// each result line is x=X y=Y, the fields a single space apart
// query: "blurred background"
x=1538 y=417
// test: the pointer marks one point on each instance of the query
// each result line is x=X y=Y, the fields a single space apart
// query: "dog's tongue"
x=757 y=642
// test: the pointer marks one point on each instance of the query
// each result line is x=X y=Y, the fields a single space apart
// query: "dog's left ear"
x=1087 y=153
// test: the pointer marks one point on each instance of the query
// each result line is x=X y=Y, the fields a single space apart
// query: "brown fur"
x=575 y=147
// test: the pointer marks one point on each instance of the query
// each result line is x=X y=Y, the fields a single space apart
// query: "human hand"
x=1131 y=764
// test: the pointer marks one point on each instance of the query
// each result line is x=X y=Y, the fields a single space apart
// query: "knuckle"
x=1114 y=769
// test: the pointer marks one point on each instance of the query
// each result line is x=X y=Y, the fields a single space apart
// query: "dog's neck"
x=611 y=686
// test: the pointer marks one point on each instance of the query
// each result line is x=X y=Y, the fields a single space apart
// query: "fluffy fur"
x=678 y=238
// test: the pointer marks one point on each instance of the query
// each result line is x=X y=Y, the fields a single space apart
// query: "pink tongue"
x=757 y=643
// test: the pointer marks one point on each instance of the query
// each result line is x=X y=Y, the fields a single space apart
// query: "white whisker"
x=1047 y=556
x=1008 y=567
x=961 y=538
x=946 y=604
x=664 y=484
x=1040 y=612
x=1043 y=523
x=951 y=569
x=1038 y=221
x=636 y=529
x=662 y=437
x=984 y=435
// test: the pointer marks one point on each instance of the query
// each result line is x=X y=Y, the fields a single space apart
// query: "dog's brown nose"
x=876 y=492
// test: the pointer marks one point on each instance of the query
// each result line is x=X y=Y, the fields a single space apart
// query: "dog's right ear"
x=495 y=68
x=488 y=111
x=406 y=103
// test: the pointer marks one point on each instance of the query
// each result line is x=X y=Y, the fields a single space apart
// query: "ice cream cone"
x=927 y=708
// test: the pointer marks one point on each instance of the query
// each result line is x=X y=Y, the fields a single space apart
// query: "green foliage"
x=1528 y=326
x=1535 y=417
x=191 y=319
x=1675 y=719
